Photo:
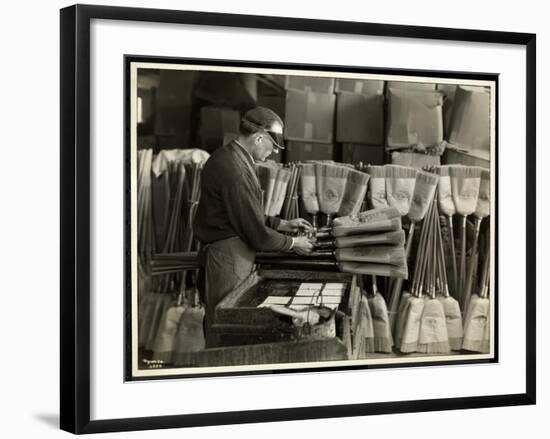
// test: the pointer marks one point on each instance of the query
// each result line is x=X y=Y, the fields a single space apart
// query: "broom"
x=387 y=238
x=433 y=336
x=266 y=175
x=331 y=185
x=476 y=330
x=451 y=306
x=408 y=298
x=309 y=191
x=400 y=182
x=465 y=183
x=190 y=333
x=482 y=210
x=366 y=217
x=380 y=254
x=424 y=190
x=413 y=314
x=377 y=186
x=278 y=197
x=386 y=270
x=361 y=228
x=447 y=208
x=356 y=189
x=364 y=334
x=383 y=341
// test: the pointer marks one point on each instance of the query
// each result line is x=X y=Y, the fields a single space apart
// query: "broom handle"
x=462 y=257
x=424 y=262
x=453 y=253
x=395 y=295
x=485 y=274
x=420 y=250
x=471 y=265
x=443 y=270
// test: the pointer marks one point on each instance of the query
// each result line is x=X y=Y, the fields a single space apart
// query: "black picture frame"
x=75 y=217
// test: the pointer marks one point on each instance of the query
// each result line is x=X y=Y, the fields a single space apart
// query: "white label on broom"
x=359 y=87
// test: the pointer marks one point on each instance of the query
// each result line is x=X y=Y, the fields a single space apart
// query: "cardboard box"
x=215 y=122
x=367 y=87
x=275 y=103
x=470 y=123
x=300 y=152
x=406 y=85
x=176 y=85
x=471 y=158
x=172 y=118
x=360 y=118
x=368 y=154
x=309 y=117
x=448 y=91
x=414 y=159
x=414 y=118
x=310 y=84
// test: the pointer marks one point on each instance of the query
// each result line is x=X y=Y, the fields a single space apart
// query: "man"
x=230 y=223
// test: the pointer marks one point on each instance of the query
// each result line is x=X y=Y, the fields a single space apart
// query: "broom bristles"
x=376 y=171
x=395 y=238
x=357 y=177
x=459 y=171
x=411 y=327
x=397 y=171
x=442 y=171
x=383 y=254
x=427 y=178
x=308 y=170
x=359 y=229
x=485 y=174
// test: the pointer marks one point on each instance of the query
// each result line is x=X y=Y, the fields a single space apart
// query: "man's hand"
x=302 y=246
x=295 y=225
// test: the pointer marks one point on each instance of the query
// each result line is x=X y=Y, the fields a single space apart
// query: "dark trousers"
x=227 y=263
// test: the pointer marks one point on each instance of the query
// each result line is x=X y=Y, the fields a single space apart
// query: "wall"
x=30 y=184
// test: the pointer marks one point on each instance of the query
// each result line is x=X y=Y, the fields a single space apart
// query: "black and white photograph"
x=289 y=219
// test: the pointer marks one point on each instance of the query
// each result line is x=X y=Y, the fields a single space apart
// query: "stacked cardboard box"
x=360 y=113
x=174 y=108
x=215 y=123
x=302 y=151
x=309 y=117
x=367 y=154
x=470 y=126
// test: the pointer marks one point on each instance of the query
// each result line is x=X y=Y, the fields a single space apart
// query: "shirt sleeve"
x=272 y=222
x=248 y=221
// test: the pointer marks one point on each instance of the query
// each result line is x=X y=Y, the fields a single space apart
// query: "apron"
x=225 y=265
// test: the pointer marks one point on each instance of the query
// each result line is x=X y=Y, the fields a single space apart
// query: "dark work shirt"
x=230 y=203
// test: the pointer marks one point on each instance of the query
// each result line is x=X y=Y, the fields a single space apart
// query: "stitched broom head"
x=400 y=181
x=399 y=272
x=424 y=191
x=377 y=186
x=374 y=227
x=465 y=181
x=308 y=189
x=453 y=318
x=367 y=216
x=330 y=185
x=411 y=327
x=483 y=207
x=356 y=188
x=381 y=254
x=433 y=337
x=388 y=238
x=383 y=340
x=444 y=192
x=475 y=327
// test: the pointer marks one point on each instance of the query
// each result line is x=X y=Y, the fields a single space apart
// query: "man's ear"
x=259 y=138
